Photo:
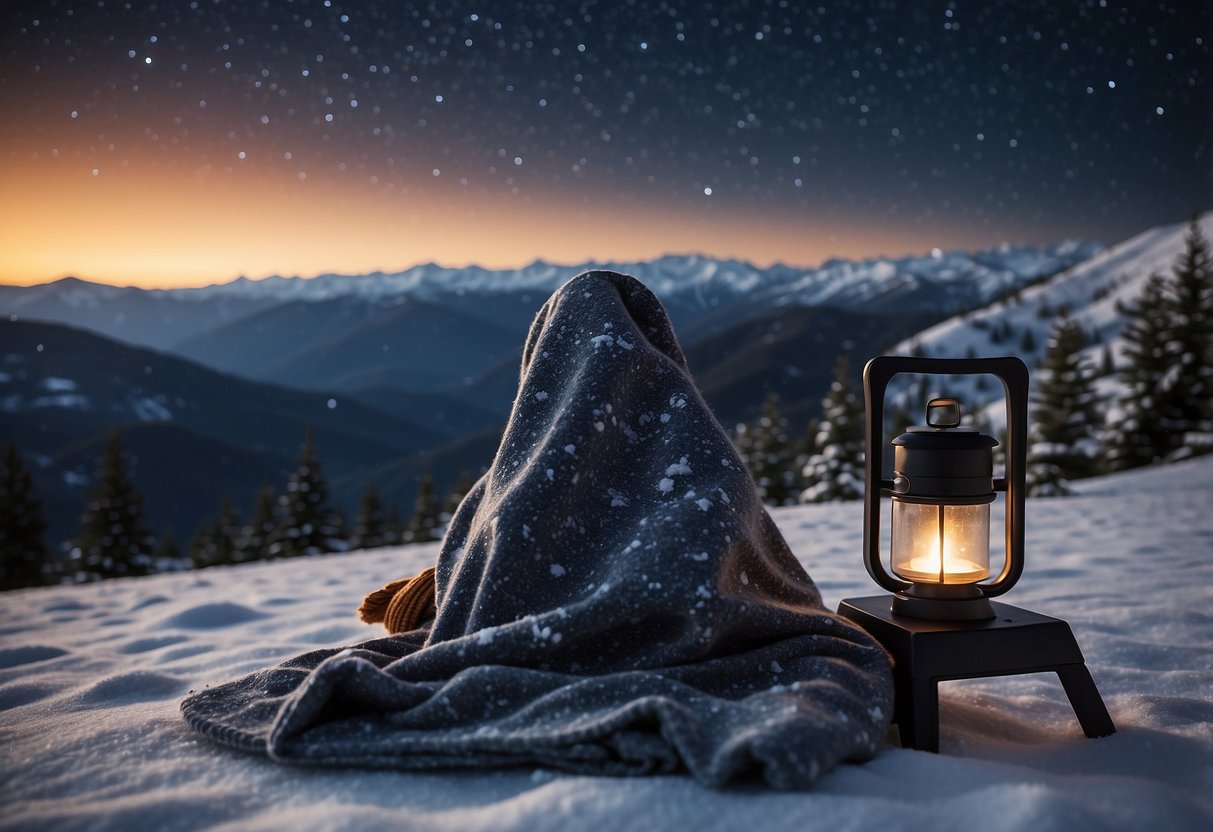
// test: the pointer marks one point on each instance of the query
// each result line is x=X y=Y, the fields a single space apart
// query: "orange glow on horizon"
x=166 y=228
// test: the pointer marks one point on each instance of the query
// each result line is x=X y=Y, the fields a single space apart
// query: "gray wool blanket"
x=612 y=598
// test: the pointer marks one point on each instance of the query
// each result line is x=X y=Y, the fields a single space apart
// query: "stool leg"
x=1084 y=698
x=918 y=714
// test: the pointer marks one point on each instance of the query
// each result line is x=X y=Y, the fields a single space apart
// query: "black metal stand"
x=927 y=651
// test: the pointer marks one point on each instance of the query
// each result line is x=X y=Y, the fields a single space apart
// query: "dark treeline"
x=1165 y=369
x=114 y=540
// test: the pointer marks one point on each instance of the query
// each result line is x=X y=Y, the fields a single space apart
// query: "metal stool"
x=926 y=652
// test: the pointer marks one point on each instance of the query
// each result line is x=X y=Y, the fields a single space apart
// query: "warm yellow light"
x=944 y=544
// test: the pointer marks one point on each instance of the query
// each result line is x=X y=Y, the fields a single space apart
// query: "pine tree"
x=24 y=559
x=1027 y=341
x=424 y=522
x=168 y=553
x=308 y=525
x=255 y=538
x=1064 y=443
x=368 y=531
x=393 y=526
x=229 y=532
x=805 y=449
x=766 y=447
x=743 y=443
x=462 y=486
x=339 y=530
x=1138 y=435
x=836 y=471
x=1188 y=300
x=218 y=542
x=114 y=542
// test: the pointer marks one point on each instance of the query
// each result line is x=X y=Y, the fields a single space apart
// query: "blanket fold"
x=611 y=598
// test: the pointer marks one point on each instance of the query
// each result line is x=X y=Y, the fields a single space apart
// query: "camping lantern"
x=942 y=487
x=940 y=623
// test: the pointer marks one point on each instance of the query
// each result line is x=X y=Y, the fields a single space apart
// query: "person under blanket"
x=611 y=598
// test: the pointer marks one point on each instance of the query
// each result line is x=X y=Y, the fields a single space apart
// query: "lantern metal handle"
x=1014 y=376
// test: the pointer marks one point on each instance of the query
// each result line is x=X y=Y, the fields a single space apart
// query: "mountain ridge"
x=1096 y=293
x=776 y=336
x=64 y=390
x=169 y=317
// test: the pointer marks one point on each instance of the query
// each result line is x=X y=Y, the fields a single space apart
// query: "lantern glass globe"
x=940 y=543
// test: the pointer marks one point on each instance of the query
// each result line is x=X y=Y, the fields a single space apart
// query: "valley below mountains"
x=401 y=375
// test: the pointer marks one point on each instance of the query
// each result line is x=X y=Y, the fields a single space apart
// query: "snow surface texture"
x=91 y=678
x=589 y=619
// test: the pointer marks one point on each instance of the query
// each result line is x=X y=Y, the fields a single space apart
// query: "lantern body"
x=940 y=543
x=942 y=490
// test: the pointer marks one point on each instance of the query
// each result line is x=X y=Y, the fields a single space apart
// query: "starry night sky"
x=182 y=142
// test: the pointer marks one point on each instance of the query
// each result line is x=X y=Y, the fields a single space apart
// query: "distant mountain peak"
x=670 y=275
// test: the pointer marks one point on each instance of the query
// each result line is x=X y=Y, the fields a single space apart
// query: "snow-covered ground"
x=91 y=677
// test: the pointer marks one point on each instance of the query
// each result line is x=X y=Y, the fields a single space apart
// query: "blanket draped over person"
x=611 y=598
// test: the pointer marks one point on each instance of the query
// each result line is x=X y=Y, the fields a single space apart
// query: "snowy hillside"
x=1093 y=292
x=91 y=677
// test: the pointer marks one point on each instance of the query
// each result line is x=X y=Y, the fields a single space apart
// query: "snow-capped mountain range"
x=693 y=286
x=430 y=356
x=964 y=277
x=694 y=280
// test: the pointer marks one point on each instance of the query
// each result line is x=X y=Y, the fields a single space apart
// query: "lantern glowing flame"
x=946 y=544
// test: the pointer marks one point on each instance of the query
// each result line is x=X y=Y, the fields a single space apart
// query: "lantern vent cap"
x=943 y=413
x=943 y=431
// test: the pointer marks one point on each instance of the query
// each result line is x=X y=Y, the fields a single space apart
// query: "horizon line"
x=541 y=261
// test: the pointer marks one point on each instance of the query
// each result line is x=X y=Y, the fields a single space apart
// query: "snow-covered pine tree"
x=1137 y=432
x=1188 y=300
x=423 y=526
x=743 y=442
x=1063 y=443
x=836 y=471
x=368 y=531
x=766 y=447
x=308 y=526
x=24 y=559
x=114 y=542
x=256 y=537
x=804 y=451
